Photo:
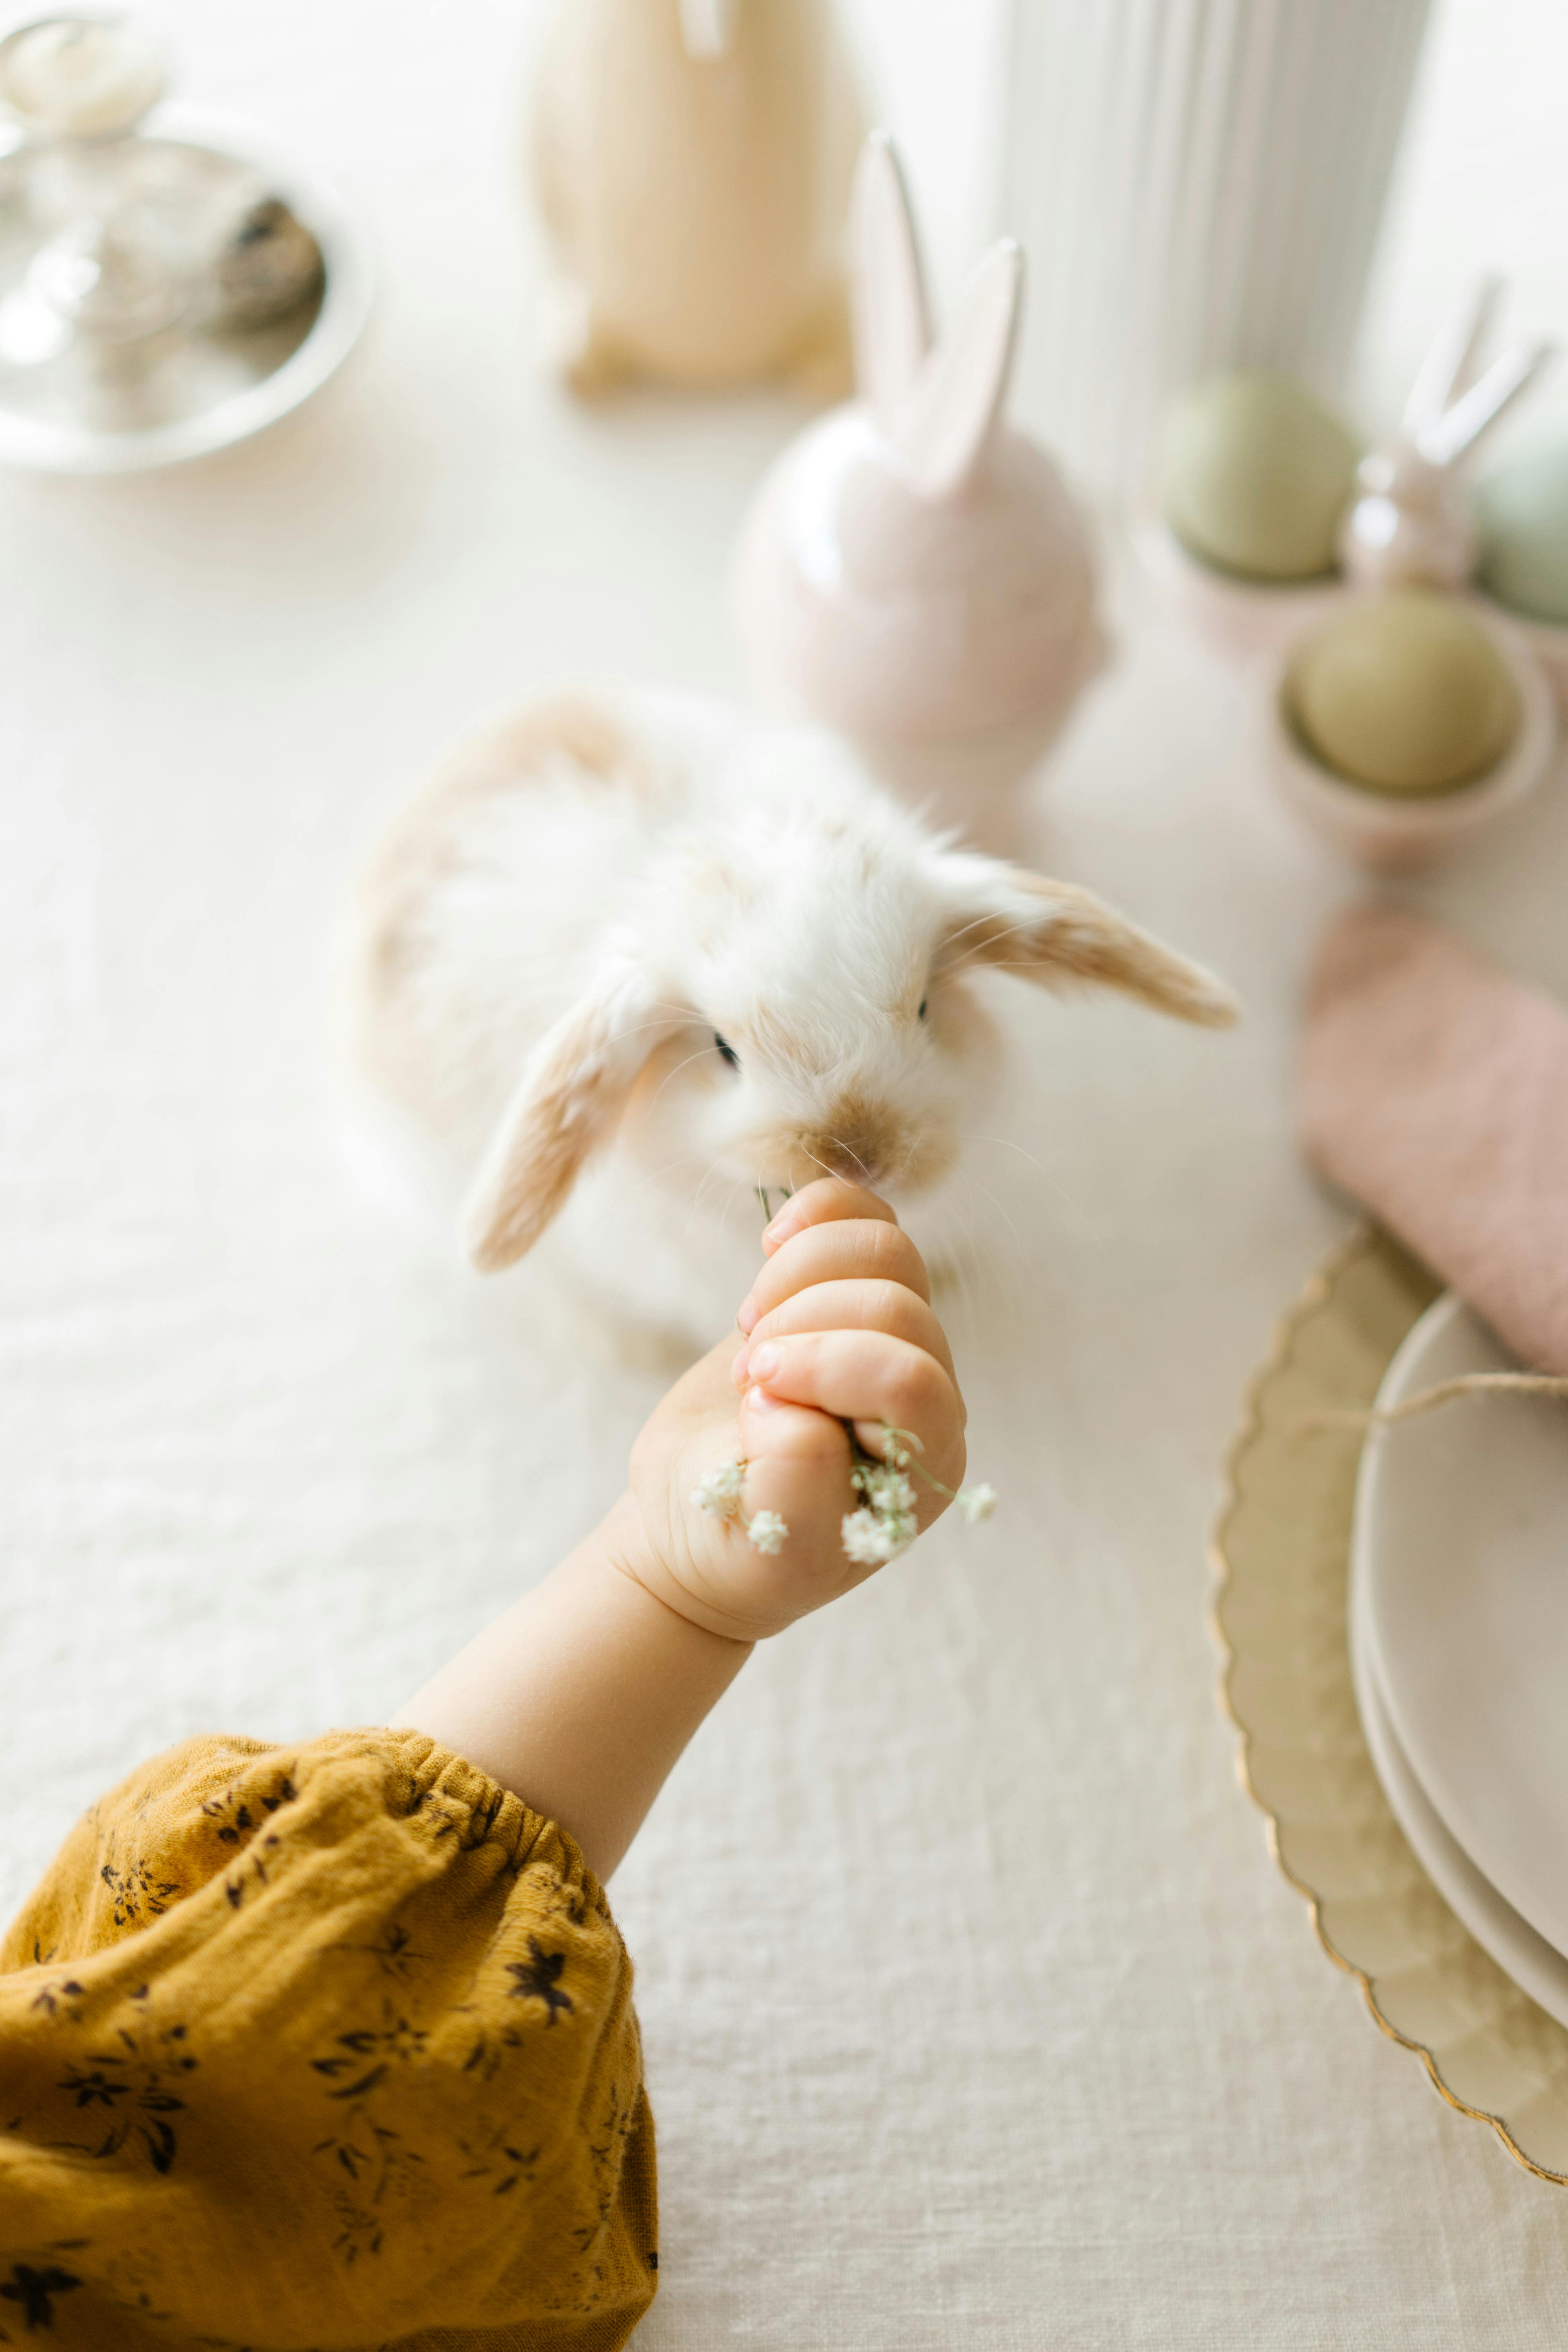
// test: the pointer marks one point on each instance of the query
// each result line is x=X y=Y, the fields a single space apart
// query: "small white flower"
x=895 y=1454
x=888 y=1491
x=767 y=1530
x=977 y=1502
x=720 y=1492
x=872 y=1541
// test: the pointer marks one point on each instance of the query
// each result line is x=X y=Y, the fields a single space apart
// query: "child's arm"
x=581 y=1697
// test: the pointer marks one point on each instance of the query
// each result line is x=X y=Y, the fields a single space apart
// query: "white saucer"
x=1533 y=1964
x=1459 y=1573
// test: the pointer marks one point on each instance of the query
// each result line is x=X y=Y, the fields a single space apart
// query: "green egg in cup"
x=1521 y=509
x=1255 y=476
x=1402 y=693
x=1406 y=720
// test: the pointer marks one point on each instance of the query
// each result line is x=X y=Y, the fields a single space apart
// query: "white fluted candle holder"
x=1200 y=185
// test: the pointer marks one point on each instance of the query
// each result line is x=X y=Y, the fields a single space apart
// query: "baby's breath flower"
x=888 y=1525
x=718 y=1494
x=886 y=1490
x=869 y=1541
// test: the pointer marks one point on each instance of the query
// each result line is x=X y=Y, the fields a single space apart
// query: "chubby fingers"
x=845 y=1249
x=823 y=1202
x=867 y=1377
x=876 y=1305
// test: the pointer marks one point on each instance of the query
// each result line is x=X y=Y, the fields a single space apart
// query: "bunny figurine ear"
x=963 y=388
x=1449 y=410
x=892 y=331
x=1449 y=366
x=937 y=407
x=708 y=27
x=1464 y=423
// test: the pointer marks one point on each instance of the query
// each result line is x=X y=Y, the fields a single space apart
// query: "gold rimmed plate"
x=1281 y=1554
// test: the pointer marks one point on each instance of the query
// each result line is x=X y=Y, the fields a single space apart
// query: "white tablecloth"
x=975 y=2014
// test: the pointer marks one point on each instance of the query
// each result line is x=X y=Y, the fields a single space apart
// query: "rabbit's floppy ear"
x=1060 y=936
x=571 y=1095
x=892 y=331
x=708 y=27
x=947 y=420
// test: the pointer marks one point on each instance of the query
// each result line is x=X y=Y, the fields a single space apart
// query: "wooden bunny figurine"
x=692 y=161
x=914 y=572
x=1411 y=524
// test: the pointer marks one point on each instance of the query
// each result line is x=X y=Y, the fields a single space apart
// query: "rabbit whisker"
x=1085 y=1222
x=694 y=1208
x=685 y=1065
x=916 y=1140
x=1025 y=1256
x=854 y=1157
x=1008 y=930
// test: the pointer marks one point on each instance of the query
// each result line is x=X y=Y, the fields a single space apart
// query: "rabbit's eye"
x=726 y=1050
x=925 y=1001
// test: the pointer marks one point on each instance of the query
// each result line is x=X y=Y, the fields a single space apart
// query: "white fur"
x=555 y=932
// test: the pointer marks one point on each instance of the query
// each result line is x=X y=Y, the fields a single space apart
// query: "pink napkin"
x=1435 y=1090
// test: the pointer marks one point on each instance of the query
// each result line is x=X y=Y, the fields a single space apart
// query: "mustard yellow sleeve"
x=330 y=2046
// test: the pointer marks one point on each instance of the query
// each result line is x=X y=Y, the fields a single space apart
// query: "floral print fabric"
x=321 y=2046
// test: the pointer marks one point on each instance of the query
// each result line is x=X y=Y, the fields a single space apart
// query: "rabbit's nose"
x=857 y=1168
x=868 y=1142
x=856 y=1142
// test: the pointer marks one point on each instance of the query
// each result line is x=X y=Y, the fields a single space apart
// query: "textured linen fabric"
x=321 y=2045
x=976 y=2017
x=1435 y=1088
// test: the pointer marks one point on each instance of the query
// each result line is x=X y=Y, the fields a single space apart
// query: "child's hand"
x=583 y=1694
x=838 y=1330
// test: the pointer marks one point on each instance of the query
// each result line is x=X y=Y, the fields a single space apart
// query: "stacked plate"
x=1458 y=1626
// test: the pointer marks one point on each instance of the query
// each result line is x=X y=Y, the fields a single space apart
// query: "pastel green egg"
x=1256 y=474
x=1522 y=508
x=1402 y=693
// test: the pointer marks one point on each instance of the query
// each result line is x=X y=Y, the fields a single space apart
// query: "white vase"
x=1200 y=185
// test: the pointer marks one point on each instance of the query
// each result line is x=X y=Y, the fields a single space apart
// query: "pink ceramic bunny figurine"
x=1411 y=525
x=914 y=572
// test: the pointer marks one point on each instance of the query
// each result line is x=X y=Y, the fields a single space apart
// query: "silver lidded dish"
x=166 y=292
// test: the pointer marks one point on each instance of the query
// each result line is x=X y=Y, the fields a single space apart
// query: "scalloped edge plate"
x=1280 y=1553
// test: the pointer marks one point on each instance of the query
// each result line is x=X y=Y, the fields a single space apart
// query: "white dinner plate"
x=1496 y=1926
x=1460 y=1565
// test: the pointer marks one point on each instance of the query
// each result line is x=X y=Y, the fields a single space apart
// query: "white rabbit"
x=692 y=161
x=1411 y=525
x=633 y=962
x=912 y=572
